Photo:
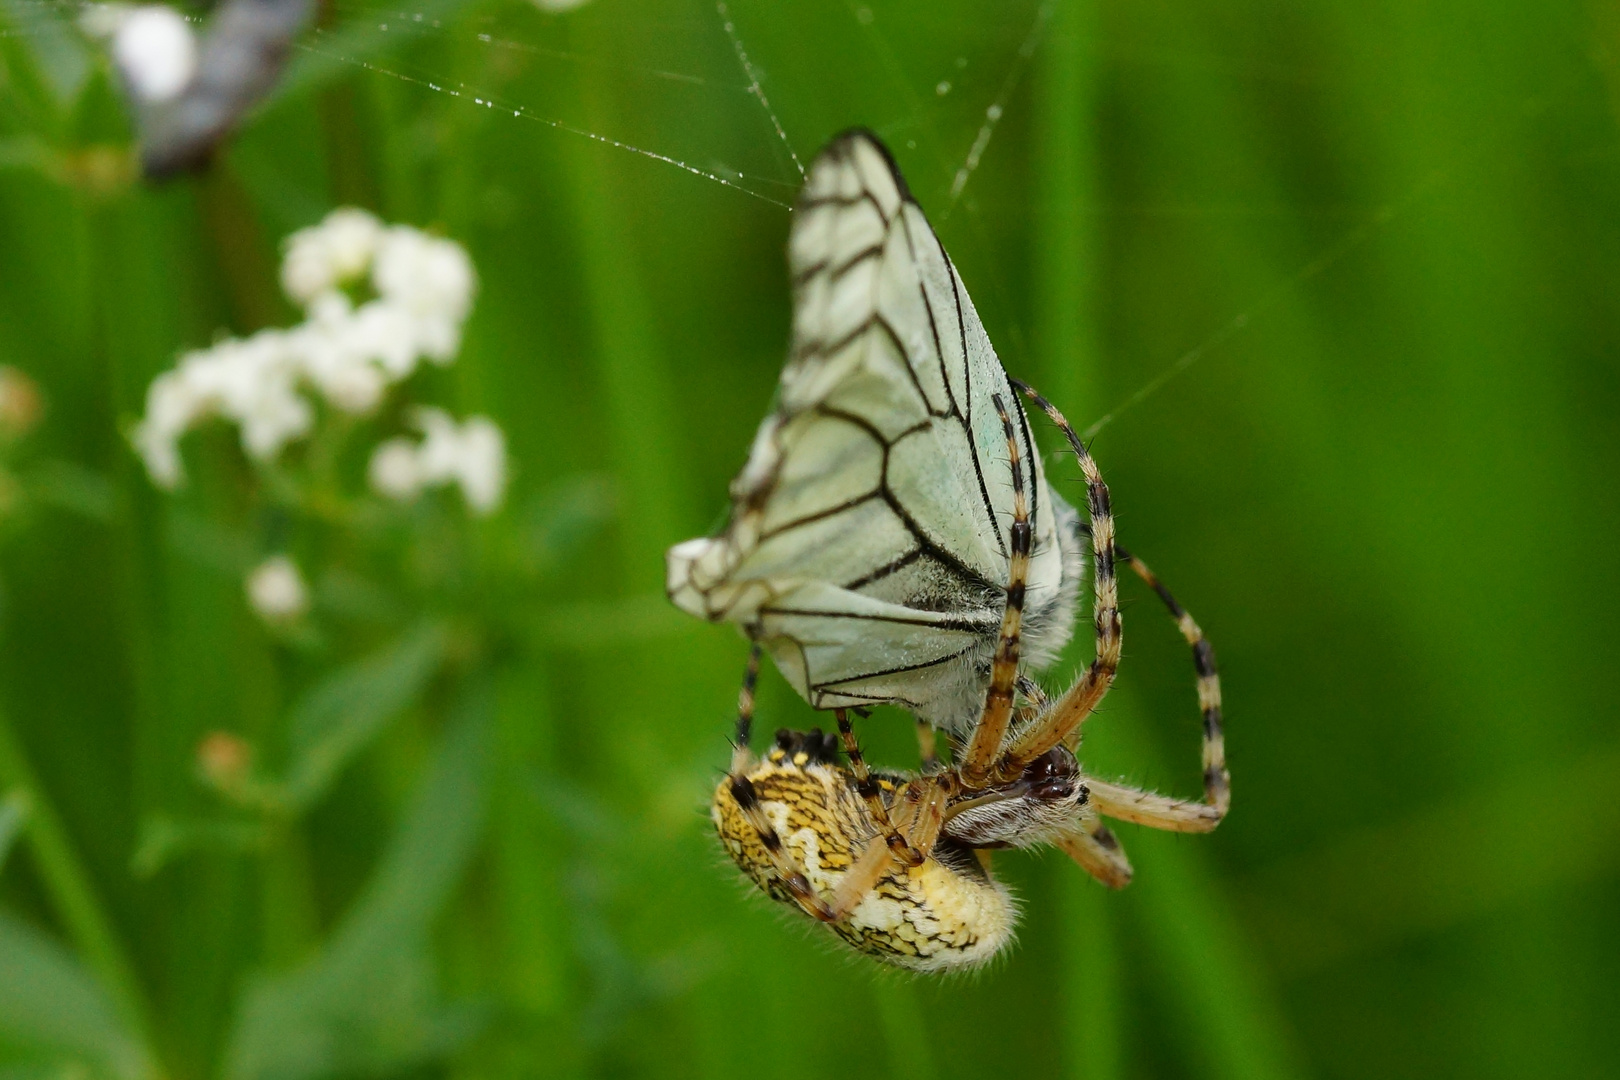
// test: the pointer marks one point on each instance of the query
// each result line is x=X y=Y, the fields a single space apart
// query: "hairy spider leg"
x=1096 y=851
x=868 y=788
x=786 y=867
x=1065 y=715
x=980 y=759
x=921 y=807
x=1127 y=803
x=922 y=804
x=1160 y=811
x=741 y=756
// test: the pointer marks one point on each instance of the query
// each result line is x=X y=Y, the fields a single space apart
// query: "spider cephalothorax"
x=1043 y=803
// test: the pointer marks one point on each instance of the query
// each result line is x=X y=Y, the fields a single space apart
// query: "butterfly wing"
x=867 y=547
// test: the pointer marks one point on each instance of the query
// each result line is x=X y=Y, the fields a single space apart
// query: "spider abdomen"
x=947 y=912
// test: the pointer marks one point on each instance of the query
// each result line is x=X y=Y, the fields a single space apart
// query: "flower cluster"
x=349 y=353
x=472 y=454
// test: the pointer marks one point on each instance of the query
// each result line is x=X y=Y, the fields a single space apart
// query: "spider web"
x=717 y=62
x=945 y=109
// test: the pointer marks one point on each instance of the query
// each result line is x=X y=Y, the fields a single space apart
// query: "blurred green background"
x=1377 y=244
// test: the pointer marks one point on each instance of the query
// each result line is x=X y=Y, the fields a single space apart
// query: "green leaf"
x=368 y=1002
x=162 y=839
x=13 y=816
x=51 y=1004
x=71 y=487
x=348 y=709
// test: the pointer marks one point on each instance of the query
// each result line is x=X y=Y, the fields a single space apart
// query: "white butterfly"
x=867 y=548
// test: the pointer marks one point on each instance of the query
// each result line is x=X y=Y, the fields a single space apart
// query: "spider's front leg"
x=979 y=764
x=1060 y=720
x=1094 y=848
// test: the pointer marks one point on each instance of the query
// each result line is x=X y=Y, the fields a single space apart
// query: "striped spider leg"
x=884 y=860
x=1117 y=800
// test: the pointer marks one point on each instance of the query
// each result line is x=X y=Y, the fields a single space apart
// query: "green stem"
x=1209 y=972
x=1094 y=1046
x=637 y=383
x=1066 y=340
x=905 y=1028
x=69 y=888
x=1067 y=241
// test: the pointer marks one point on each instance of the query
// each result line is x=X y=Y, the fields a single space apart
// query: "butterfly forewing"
x=867 y=546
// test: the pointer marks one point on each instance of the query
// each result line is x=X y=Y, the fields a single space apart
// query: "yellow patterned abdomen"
x=946 y=913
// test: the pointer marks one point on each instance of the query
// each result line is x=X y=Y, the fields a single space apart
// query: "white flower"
x=471 y=455
x=440 y=454
x=351 y=241
x=430 y=277
x=323 y=257
x=388 y=335
x=439 y=338
x=276 y=590
x=156 y=52
x=276 y=418
x=483 y=465
x=394 y=472
x=349 y=355
x=153 y=47
x=172 y=405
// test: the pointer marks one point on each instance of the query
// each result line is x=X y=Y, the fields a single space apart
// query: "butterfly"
x=868 y=543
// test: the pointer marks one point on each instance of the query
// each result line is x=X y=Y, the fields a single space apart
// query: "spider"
x=898 y=866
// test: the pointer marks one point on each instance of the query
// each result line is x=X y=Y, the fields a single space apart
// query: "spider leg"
x=922 y=812
x=980 y=757
x=869 y=790
x=1033 y=694
x=1125 y=803
x=1065 y=715
x=1160 y=811
x=1145 y=808
x=1094 y=847
x=786 y=867
x=903 y=839
x=742 y=758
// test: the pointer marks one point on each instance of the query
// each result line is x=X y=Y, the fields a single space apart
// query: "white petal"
x=276 y=590
x=394 y=471
x=482 y=471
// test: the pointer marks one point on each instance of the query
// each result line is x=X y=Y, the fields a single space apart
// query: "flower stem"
x=68 y=886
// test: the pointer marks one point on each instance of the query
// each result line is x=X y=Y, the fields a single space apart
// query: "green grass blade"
x=368 y=1001
x=1067 y=336
x=68 y=886
x=52 y=1004
x=348 y=709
